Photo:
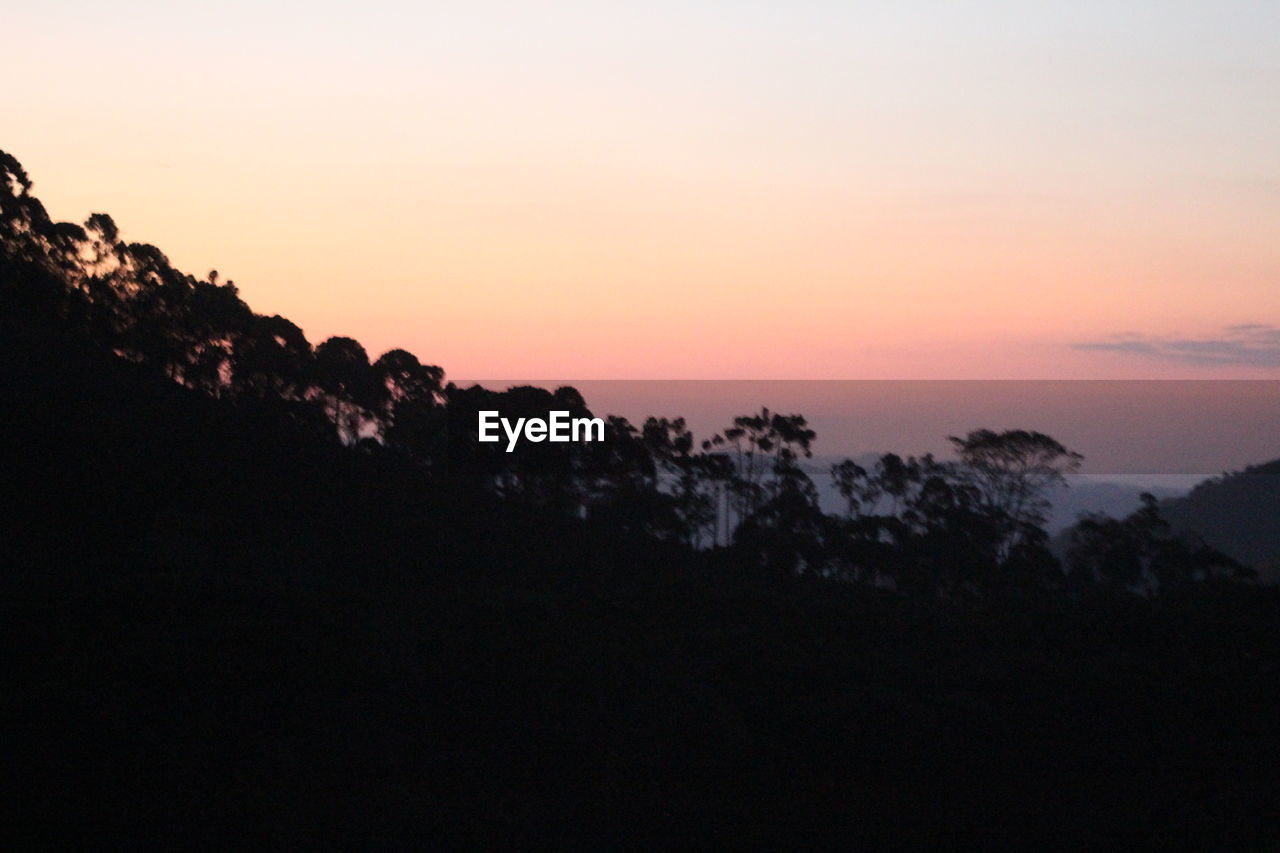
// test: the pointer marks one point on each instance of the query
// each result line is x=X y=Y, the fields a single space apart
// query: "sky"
x=1156 y=430
x=690 y=190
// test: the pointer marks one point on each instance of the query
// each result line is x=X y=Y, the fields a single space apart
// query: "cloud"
x=1245 y=344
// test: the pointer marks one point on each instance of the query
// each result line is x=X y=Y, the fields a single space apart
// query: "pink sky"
x=704 y=190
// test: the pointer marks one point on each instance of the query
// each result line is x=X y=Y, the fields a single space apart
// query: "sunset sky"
x=691 y=190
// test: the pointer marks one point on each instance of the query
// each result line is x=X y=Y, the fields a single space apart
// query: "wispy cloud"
x=1246 y=344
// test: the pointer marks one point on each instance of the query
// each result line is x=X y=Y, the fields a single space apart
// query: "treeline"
x=922 y=526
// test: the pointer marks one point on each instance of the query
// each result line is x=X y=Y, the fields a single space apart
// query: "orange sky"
x=705 y=190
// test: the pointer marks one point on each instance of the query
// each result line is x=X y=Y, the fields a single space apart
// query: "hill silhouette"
x=1237 y=513
x=261 y=592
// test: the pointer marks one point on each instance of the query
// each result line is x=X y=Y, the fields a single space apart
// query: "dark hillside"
x=1238 y=513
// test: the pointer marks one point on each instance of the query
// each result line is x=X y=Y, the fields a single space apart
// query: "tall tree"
x=764 y=449
x=1014 y=472
x=272 y=358
x=343 y=374
x=407 y=396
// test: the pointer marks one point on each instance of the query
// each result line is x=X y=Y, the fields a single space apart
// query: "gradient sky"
x=696 y=190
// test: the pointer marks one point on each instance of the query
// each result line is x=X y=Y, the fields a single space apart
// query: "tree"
x=1142 y=554
x=1013 y=472
x=689 y=481
x=854 y=485
x=343 y=373
x=399 y=378
x=212 y=320
x=764 y=449
x=407 y=396
x=272 y=358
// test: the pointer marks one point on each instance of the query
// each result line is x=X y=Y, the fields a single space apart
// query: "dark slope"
x=1238 y=513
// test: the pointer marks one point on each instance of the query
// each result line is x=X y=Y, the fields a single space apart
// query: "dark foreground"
x=213 y=633
x=204 y=707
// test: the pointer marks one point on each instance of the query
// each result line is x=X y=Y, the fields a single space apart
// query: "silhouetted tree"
x=1013 y=472
x=343 y=374
x=271 y=358
x=408 y=399
x=851 y=480
x=763 y=449
x=1141 y=554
